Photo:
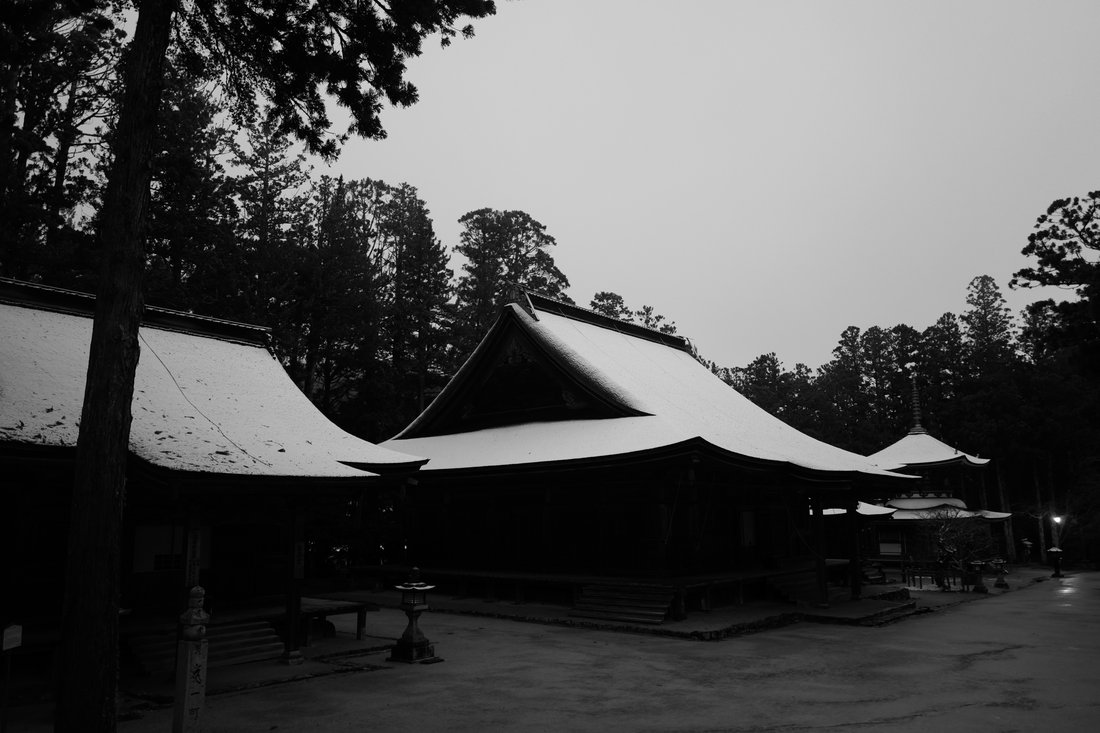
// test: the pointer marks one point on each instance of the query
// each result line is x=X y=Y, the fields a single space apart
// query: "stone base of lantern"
x=416 y=652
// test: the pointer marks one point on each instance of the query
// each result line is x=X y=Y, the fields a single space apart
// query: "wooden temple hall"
x=581 y=456
x=234 y=478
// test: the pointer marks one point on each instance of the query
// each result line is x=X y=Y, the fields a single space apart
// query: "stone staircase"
x=636 y=603
x=231 y=643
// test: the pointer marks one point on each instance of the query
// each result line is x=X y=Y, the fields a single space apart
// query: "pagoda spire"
x=917 y=428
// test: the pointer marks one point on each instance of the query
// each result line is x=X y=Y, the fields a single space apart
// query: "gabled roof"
x=209 y=397
x=637 y=391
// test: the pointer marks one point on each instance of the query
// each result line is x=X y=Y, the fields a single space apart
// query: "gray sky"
x=765 y=173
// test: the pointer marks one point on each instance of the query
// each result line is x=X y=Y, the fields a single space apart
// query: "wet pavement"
x=1008 y=661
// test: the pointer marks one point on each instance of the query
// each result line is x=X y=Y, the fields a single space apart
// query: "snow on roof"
x=926 y=502
x=682 y=400
x=950 y=512
x=918 y=448
x=863 y=509
x=200 y=403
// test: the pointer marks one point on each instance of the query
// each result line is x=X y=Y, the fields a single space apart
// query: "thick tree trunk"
x=1041 y=512
x=88 y=669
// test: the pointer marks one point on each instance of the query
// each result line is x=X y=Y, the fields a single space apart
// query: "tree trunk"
x=88 y=663
x=55 y=200
x=1010 y=538
x=1041 y=511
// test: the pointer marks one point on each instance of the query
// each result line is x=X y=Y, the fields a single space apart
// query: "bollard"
x=1055 y=555
x=976 y=568
x=1002 y=571
x=191 y=665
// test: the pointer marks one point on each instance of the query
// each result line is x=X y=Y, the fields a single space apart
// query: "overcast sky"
x=768 y=173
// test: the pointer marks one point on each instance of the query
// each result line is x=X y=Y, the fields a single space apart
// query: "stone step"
x=228 y=644
x=617 y=614
x=625 y=602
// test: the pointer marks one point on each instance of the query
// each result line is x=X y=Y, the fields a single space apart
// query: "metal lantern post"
x=413 y=646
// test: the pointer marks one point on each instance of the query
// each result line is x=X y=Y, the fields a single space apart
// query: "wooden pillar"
x=295 y=572
x=855 y=565
x=192 y=557
x=819 y=551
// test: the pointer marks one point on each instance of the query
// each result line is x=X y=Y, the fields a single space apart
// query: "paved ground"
x=1020 y=661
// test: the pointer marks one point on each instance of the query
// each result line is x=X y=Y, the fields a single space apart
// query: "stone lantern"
x=413 y=646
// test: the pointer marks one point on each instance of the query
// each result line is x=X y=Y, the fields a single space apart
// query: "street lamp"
x=1057 y=527
x=413 y=646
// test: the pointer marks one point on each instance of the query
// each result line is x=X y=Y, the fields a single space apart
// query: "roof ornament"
x=519 y=296
x=917 y=428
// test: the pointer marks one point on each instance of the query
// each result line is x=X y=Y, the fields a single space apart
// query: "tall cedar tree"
x=292 y=53
x=417 y=324
x=1066 y=246
x=271 y=194
x=344 y=280
x=56 y=62
x=504 y=250
x=191 y=252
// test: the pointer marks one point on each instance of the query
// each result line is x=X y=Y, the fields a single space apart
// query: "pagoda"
x=939 y=494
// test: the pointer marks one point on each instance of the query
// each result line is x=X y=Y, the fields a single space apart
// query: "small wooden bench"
x=322 y=608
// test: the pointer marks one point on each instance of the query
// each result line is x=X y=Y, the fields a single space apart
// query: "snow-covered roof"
x=662 y=395
x=201 y=404
x=926 y=502
x=863 y=509
x=919 y=449
x=951 y=512
x=937 y=507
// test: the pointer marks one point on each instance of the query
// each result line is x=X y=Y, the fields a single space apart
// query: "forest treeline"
x=370 y=318
x=366 y=312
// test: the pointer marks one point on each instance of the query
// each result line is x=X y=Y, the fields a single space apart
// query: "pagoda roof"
x=950 y=512
x=918 y=449
x=864 y=509
x=596 y=388
x=209 y=397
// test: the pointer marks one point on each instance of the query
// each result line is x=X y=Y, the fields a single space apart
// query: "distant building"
x=573 y=449
x=943 y=473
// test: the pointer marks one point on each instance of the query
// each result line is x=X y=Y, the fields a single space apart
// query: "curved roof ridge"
x=586 y=315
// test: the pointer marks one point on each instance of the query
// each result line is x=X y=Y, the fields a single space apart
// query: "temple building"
x=232 y=470
x=946 y=476
x=573 y=450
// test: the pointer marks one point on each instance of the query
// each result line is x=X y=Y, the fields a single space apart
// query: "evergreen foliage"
x=985 y=386
x=504 y=251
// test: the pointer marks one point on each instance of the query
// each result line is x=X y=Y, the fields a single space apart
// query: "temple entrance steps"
x=232 y=643
x=639 y=603
x=802 y=589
